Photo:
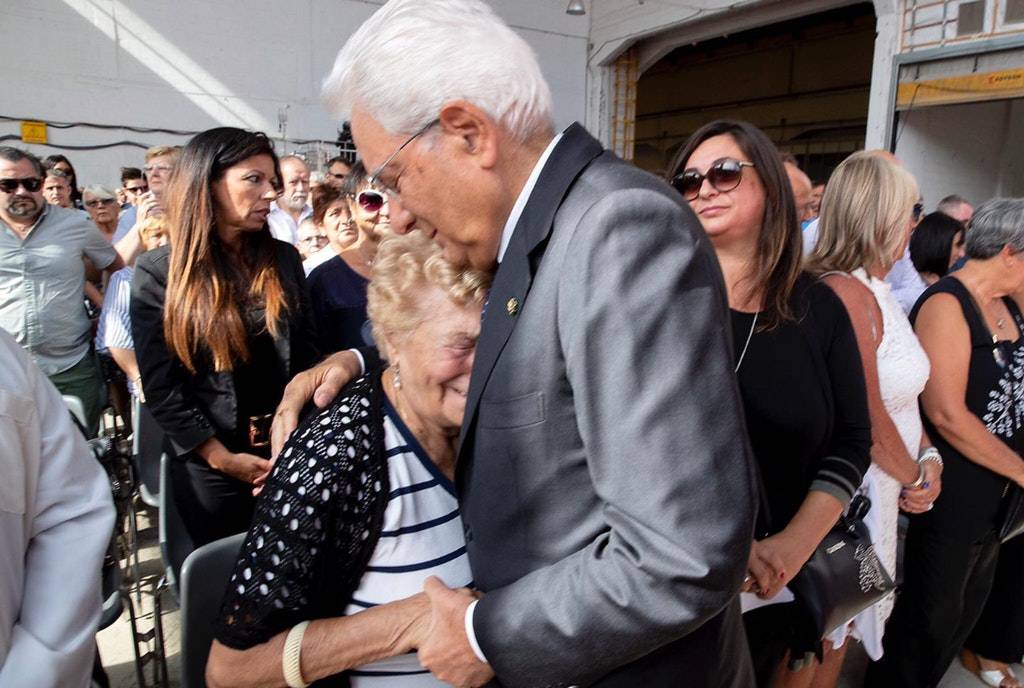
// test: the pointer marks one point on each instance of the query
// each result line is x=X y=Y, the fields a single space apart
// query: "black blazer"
x=193 y=408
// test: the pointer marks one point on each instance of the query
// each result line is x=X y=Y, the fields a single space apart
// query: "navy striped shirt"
x=421 y=536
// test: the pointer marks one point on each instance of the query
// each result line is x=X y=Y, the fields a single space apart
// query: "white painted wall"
x=193 y=64
x=974 y=150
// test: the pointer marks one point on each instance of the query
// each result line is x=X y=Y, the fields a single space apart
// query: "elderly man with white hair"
x=292 y=207
x=604 y=481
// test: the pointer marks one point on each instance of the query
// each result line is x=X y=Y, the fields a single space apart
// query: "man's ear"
x=476 y=131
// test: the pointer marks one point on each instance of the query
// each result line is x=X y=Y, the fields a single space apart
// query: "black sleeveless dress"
x=972 y=495
x=952 y=550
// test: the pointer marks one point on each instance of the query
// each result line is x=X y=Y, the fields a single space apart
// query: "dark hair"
x=51 y=161
x=355 y=178
x=11 y=154
x=323 y=197
x=931 y=242
x=131 y=173
x=779 y=245
x=207 y=285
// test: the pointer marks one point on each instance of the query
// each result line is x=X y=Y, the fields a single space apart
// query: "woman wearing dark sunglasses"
x=338 y=286
x=799 y=373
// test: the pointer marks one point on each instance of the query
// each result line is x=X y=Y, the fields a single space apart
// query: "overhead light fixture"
x=576 y=8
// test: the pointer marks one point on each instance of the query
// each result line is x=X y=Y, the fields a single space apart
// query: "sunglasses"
x=98 y=201
x=30 y=184
x=137 y=189
x=369 y=200
x=723 y=175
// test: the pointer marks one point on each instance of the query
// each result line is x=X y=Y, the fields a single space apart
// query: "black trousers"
x=947 y=579
x=212 y=504
x=999 y=633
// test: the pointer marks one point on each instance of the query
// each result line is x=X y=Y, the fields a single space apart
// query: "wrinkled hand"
x=446 y=650
x=320 y=383
x=774 y=562
x=245 y=467
x=919 y=500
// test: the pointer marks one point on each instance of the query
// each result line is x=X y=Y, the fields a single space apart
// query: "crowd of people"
x=494 y=405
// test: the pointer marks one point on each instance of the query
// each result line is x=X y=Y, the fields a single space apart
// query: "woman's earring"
x=398 y=378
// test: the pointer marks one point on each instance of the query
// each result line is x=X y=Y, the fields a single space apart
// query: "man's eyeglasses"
x=318 y=238
x=375 y=177
x=150 y=169
x=137 y=189
x=338 y=175
x=369 y=200
x=30 y=184
x=724 y=174
x=93 y=202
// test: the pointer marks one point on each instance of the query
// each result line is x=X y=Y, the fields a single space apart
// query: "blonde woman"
x=360 y=509
x=864 y=227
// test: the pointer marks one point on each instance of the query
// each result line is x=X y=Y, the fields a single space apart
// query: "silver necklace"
x=750 y=335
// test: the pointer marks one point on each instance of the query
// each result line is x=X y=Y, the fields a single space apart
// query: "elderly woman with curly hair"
x=360 y=508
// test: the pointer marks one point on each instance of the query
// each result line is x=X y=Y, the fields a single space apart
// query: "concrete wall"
x=974 y=150
x=191 y=64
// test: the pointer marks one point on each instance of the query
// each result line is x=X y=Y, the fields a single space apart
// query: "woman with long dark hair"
x=221 y=323
x=799 y=374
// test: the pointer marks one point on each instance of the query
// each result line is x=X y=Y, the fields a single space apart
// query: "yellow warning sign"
x=968 y=88
x=33 y=132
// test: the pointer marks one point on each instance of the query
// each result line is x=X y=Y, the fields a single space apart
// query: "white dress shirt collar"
x=524 y=196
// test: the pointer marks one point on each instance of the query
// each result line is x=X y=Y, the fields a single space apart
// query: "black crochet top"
x=317 y=522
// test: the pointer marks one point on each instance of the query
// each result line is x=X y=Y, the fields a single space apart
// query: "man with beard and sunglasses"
x=292 y=206
x=42 y=276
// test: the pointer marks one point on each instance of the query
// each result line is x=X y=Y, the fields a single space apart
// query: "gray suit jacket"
x=605 y=479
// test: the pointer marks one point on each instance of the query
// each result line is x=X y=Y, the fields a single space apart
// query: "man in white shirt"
x=292 y=206
x=56 y=519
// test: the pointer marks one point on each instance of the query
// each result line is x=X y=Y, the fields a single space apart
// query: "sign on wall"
x=33 y=132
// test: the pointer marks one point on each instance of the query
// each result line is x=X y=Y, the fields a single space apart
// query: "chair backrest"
x=175 y=542
x=204 y=578
x=147 y=449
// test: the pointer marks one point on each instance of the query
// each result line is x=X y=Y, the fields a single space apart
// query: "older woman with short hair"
x=337 y=288
x=973 y=404
x=360 y=508
x=101 y=204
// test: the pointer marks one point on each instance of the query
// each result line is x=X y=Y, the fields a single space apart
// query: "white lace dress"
x=902 y=373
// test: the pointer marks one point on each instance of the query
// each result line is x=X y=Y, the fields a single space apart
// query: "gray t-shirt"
x=41 y=283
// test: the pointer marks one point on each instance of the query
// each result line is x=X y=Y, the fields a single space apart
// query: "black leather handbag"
x=1012 y=513
x=844 y=575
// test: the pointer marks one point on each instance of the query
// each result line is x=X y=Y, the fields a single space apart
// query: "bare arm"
x=126 y=361
x=946 y=338
x=888 y=451
x=329 y=646
x=130 y=245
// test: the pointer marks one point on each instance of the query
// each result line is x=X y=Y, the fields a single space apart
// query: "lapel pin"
x=512 y=306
